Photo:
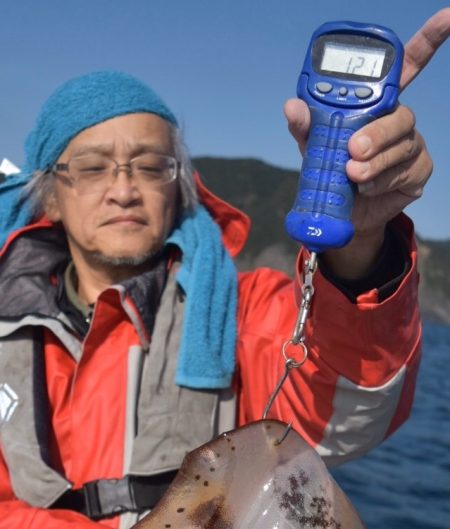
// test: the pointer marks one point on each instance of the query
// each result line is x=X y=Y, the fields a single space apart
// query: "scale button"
x=343 y=91
x=324 y=87
x=363 y=92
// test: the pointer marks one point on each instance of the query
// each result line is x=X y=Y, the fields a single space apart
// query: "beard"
x=127 y=261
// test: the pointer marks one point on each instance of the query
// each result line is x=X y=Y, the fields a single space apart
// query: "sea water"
x=405 y=483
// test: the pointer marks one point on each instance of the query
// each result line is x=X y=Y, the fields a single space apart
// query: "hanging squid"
x=248 y=479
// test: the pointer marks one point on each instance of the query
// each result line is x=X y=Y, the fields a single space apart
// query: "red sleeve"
x=16 y=514
x=357 y=385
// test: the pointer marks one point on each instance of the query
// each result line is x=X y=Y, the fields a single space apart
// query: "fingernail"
x=366 y=188
x=364 y=143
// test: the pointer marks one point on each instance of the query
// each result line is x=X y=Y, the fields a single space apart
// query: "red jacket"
x=355 y=389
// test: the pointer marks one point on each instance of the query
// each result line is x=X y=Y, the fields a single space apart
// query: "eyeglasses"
x=94 y=173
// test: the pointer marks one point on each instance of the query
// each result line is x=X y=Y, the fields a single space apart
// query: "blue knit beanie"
x=81 y=103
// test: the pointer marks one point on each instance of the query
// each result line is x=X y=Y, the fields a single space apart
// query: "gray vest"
x=164 y=421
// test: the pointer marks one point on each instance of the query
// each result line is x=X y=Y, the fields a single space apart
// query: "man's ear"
x=51 y=208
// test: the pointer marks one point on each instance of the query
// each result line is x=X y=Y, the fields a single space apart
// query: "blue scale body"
x=340 y=104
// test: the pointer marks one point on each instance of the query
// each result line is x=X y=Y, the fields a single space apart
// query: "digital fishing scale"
x=350 y=77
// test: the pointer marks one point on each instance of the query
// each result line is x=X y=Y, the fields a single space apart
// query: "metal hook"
x=285 y=434
x=290 y=363
x=288 y=366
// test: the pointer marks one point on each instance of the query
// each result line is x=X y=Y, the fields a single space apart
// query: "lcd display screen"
x=353 y=60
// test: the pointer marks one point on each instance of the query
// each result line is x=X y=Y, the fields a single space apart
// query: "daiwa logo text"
x=314 y=232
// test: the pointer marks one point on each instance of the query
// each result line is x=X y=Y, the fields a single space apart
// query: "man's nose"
x=123 y=188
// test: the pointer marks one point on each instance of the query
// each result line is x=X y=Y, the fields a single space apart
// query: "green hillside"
x=260 y=190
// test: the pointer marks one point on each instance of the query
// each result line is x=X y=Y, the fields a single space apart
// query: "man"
x=120 y=310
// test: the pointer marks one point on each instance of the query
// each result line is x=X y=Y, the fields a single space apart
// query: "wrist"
x=357 y=258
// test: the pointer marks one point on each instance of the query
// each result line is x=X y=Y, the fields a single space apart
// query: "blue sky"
x=225 y=68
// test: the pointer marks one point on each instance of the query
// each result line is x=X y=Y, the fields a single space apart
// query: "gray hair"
x=40 y=187
x=188 y=188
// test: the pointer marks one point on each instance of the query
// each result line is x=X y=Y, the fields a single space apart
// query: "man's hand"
x=389 y=161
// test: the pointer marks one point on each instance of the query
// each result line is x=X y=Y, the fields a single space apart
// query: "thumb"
x=299 y=120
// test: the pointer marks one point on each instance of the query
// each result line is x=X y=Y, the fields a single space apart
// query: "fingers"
x=364 y=173
x=298 y=117
x=408 y=177
x=375 y=147
x=424 y=44
x=390 y=156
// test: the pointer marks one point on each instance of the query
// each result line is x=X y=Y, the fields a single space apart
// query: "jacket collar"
x=234 y=224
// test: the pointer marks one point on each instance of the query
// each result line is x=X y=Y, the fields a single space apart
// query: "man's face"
x=126 y=224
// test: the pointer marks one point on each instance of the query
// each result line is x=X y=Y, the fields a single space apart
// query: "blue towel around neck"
x=209 y=279
x=14 y=212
